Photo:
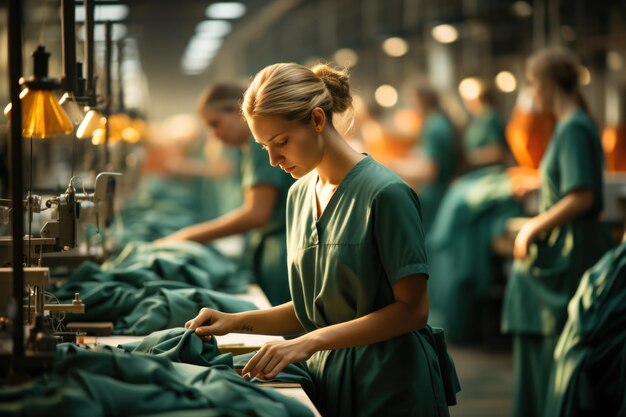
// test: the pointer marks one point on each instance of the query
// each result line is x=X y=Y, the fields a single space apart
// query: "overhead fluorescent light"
x=113 y=12
x=217 y=28
x=226 y=10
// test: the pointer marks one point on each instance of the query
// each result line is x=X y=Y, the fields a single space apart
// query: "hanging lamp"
x=42 y=116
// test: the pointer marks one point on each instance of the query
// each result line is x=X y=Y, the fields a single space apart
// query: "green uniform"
x=484 y=130
x=539 y=288
x=438 y=138
x=267 y=249
x=342 y=267
x=589 y=374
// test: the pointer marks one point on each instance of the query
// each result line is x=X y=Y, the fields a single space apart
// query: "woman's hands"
x=273 y=357
x=212 y=322
x=527 y=234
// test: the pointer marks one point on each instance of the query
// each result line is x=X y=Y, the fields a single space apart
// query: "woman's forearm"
x=279 y=321
x=394 y=320
x=570 y=207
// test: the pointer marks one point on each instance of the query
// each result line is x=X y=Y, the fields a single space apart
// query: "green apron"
x=438 y=137
x=342 y=267
x=539 y=288
x=267 y=248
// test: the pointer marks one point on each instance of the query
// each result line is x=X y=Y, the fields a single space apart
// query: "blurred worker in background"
x=553 y=249
x=264 y=195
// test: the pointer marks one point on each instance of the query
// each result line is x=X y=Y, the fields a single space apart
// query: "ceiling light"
x=445 y=33
x=386 y=95
x=102 y=12
x=226 y=10
x=346 y=57
x=506 y=81
x=395 y=47
x=216 y=28
x=470 y=88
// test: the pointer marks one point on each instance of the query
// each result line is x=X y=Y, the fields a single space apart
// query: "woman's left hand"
x=525 y=237
x=273 y=357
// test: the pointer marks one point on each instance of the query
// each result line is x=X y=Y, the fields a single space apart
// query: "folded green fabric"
x=589 y=373
x=148 y=287
x=107 y=381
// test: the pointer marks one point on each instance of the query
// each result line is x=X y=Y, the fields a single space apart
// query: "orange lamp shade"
x=42 y=116
x=528 y=134
x=92 y=122
x=614 y=145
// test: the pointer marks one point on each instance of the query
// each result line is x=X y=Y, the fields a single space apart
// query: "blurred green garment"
x=473 y=212
x=268 y=248
x=589 y=374
x=106 y=381
x=158 y=208
x=149 y=287
x=438 y=144
x=485 y=129
x=342 y=267
x=539 y=287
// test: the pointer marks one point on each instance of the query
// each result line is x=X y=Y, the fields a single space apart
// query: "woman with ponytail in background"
x=553 y=249
x=357 y=261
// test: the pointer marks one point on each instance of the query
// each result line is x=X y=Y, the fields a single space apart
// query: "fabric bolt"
x=267 y=249
x=539 y=287
x=342 y=267
x=438 y=144
x=589 y=372
x=473 y=212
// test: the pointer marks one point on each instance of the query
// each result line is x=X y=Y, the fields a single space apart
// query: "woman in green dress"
x=553 y=249
x=264 y=195
x=357 y=262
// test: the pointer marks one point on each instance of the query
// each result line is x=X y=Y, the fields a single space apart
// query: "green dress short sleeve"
x=342 y=267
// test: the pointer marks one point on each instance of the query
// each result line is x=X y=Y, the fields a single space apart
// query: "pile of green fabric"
x=149 y=287
x=173 y=372
x=474 y=211
x=589 y=374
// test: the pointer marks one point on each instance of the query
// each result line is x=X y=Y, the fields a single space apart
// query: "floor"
x=486 y=377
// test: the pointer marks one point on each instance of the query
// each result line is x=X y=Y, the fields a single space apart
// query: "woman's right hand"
x=211 y=322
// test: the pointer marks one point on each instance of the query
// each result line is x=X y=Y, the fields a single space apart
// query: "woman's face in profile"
x=294 y=146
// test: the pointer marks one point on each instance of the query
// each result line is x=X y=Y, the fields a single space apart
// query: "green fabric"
x=532 y=359
x=107 y=381
x=438 y=143
x=342 y=267
x=540 y=287
x=180 y=345
x=268 y=250
x=484 y=130
x=472 y=213
x=589 y=373
x=160 y=207
x=148 y=287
